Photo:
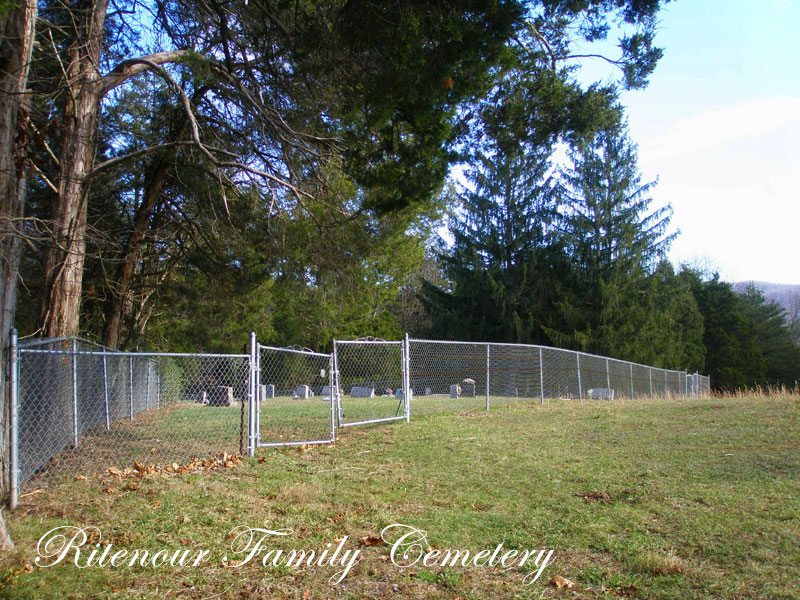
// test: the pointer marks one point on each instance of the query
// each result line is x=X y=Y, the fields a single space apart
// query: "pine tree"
x=615 y=240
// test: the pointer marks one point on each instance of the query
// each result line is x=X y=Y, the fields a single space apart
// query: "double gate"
x=300 y=396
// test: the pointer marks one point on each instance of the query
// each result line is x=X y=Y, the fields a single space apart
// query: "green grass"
x=641 y=499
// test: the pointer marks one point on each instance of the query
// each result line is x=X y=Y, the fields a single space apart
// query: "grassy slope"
x=704 y=503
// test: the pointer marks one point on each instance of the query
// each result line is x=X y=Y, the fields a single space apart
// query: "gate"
x=294 y=397
x=370 y=381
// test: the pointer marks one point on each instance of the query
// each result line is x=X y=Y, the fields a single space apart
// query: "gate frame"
x=403 y=344
x=256 y=397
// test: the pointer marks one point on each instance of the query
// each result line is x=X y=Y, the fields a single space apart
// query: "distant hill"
x=782 y=293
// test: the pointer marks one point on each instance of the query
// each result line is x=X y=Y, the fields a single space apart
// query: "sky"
x=719 y=128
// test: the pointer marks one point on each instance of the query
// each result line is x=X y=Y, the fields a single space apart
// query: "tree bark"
x=64 y=261
x=16 y=45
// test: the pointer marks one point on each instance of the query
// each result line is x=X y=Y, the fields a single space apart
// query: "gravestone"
x=455 y=390
x=220 y=395
x=325 y=396
x=269 y=391
x=303 y=391
x=362 y=392
x=468 y=388
x=427 y=391
x=601 y=394
x=203 y=398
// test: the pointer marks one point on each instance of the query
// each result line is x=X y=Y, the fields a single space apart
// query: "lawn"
x=666 y=498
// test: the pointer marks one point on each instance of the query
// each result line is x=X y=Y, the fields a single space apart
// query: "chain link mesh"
x=83 y=409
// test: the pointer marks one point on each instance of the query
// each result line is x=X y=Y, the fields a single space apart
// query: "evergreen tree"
x=774 y=338
x=615 y=240
x=734 y=359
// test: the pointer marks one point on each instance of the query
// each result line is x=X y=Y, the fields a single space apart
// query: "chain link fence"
x=81 y=408
x=449 y=375
x=78 y=408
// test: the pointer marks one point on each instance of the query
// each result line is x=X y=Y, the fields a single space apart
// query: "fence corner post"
x=580 y=386
x=13 y=424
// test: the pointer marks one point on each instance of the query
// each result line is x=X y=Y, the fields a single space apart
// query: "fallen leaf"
x=114 y=471
x=560 y=582
x=80 y=477
x=131 y=486
x=371 y=540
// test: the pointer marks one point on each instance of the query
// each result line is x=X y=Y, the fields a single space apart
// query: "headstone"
x=325 y=395
x=262 y=391
x=203 y=398
x=468 y=388
x=427 y=391
x=221 y=395
x=303 y=391
x=269 y=391
x=362 y=392
x=455 y=390
x=601 y=394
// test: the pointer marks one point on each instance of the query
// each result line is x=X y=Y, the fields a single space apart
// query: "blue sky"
x=719 y=126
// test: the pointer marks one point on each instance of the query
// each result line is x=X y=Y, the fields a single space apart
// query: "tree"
x=615 y=240
x=774 y=338
x=16 y=46
x=370 y=76
x=734 y=359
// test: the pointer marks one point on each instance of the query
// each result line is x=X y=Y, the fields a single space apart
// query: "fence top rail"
x=42 y=341
x=292 y=350
x=131 y=354
x=368 y=342
x=535 y=346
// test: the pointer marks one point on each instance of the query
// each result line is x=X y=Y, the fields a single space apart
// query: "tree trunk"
x=16 y=45
x=64 y=262
x=121 y=299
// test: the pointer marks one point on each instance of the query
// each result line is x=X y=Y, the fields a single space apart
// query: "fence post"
x=488 y=368
x=13 y=432
x=650 y=372
x=666 y=383
x=541 y=374
x=74 y=393
x=608 y=379
x=580 y=388
x=251 y=398
x=631 y=365
x=338 y=395
x=158 y=385
x=147 y=392
x=105 y=391
x=332 y=383
x=407 y=391
x=130 y=381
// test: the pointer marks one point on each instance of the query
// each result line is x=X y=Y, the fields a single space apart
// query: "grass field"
x=640 y=499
